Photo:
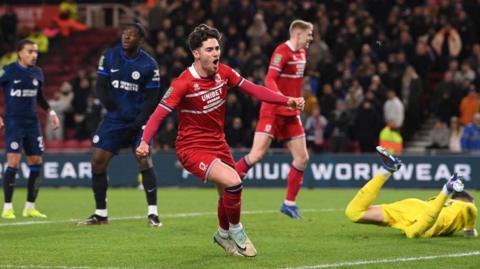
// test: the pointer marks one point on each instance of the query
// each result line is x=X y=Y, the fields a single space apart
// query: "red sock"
x=232 y=202
x=295 y=179
x=242 y=167
x=222 y=215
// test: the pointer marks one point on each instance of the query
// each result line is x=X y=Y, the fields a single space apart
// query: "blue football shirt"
x=21 y=86
x=129 y=78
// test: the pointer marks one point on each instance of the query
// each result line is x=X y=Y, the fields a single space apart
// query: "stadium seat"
x=85 y=144
x=54 y=144
x=71 y=144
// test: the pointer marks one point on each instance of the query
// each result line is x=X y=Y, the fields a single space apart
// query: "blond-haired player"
x=285 y=75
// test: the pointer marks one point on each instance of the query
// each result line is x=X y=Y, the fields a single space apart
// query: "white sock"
x=7 y=206
x=223 y=233
x=289 y=203
x=29 y=205
x=235 y=227
x=101 y=212
x=152 y=209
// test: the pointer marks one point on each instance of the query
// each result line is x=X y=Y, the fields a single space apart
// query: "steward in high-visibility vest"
x=391 y=140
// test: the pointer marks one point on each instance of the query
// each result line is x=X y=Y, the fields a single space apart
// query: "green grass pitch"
x=324 y=239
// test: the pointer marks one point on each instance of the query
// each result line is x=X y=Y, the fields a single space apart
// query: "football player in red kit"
x=285 y=75
x=198 y=95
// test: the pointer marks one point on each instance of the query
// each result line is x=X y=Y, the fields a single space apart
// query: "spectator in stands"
x=318 y=51
x=167 y=135
x=367 y=126
x=67 y=24
x=447 y=45
x=439 y=136
x=81 y=90
x=257 y=30
x=315 y=126
x=235 y=133
x=455 y=135
x=70 y=7
x=445 y=89
x=378 y=88
x=471 y=134
x=309 y=96
x=52 y=32
x=423 y=60
x=328 y=100
x=234 y=108
x=61 y=103
x=466 y=72
x=373 y=43
x=468 y=107
x=393 y=110
x=40 y=38
x=411 y=92
x=385 y=76
x=93 y=117
x=391 y=139
x=474 y=58
x=8 y=58
x=398 y=64
x=340 y=121
x=354 y=95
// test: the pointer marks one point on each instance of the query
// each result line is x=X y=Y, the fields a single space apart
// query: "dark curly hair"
x=140 y=29
x=200 y=34
x=22 y=43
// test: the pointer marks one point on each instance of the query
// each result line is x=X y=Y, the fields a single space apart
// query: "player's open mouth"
x=215 y=62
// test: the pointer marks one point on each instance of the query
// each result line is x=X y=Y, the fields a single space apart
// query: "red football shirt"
x=200 y=103
x=290 y=64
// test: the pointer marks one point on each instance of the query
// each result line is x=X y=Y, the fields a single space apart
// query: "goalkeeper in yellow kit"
x=439 y=216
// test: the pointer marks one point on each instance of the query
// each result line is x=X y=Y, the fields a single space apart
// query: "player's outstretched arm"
x=266 y=95
x=151 y=128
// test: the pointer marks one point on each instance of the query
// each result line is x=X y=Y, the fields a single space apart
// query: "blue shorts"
x=23 y=134
x=110 y=136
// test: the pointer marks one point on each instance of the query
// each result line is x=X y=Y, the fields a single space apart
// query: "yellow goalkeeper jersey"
x=454 y=216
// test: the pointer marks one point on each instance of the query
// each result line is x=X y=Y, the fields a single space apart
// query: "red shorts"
x=280 y=127
x=198 y=160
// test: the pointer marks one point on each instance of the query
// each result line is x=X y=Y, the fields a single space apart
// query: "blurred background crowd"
x=396 y=72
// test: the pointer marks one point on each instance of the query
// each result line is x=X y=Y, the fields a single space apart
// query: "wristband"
x=52 y=113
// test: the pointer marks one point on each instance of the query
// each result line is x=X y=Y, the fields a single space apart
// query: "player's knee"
x=99 y=165
x=13 y=163
x=301 y=161
x=34 y=160
x=353 y=213
x=233 y=181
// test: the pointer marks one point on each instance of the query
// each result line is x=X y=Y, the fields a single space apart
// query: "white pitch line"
x=331 y=265
x=395 y=260
x=162 y=216
x=28 y=266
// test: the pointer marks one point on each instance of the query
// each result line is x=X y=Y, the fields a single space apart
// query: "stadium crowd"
x=375 y=67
